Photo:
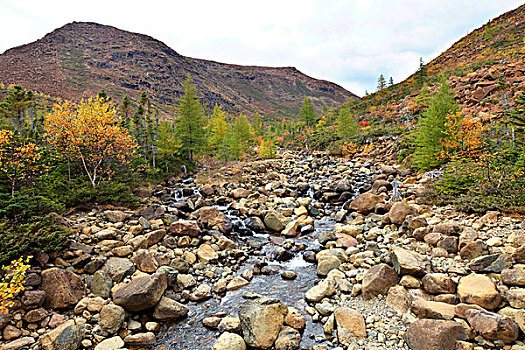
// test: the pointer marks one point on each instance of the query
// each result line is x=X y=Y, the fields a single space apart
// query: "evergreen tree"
x=239 y=138
x=217 y=129
x=390 y=81
x=347 y=125
x=15 y=104
x=103 y=96
x=190 y=122
x=124 y=109
x=307 y=113
x=432 y=128
x=381 y=82
x=517 y=118
x=421 y=74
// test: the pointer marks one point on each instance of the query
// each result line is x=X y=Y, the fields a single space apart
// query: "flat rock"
x=65 y=337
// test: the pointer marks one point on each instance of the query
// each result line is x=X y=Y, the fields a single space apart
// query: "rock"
x=237 y=283
x=491 y=263
x=325 y=288
x=327 y=264
x=21 y=343
x=35 y=315
x=438 y=283
x=229 y=341
x=255 y=224
x=294 y=319
x=155 y=237
x=239 y=193
x=101 y=284
x=516 y=298
x=275 y=221
x=206 y=253
x=399 y=299
x=210 y=216
x=115 y=216
x=230 y=324
x=141 y=293
x=111 y=318
x=201 y=293
x=145 y=261
x=11 y=332
x=447 y=229
x=168 y=309
x=480 y=290
x=141 y=340
x=399 y=212
x=519 y=254
x=434 y=335
x=33 y=298
x=473 y=250
x=493 y=326
x=377 y=280
x=288 y=339
x=261 y=319
x=407 y=262
x=65 y=337
x=186 y=281
x=63 y=288
x=118 y=268
x=513 y=277
x=151 y=212
x=365 y=203
x=433 y=310
x=113 y=343
x=350 y=325
x=518 y=315
x=185 y=228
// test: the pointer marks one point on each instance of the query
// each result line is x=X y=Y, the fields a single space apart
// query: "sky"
x=349 y=42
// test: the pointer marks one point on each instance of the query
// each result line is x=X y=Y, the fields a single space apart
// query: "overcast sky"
x=349 y=42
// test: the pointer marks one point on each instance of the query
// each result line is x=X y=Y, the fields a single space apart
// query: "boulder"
x=407 y=262
x=111 y=318
x=327 y=264
x=493 y=326
x=325 y=288
x=206 y=253
x=101 y=284
x=365 y=203
x=33 y=298
x=433 y=309
x=288 y=339
x=63 y=288
x=113 y=343
x=239 y=193
x=185 y=228
x=210 y=216
x=480 y=290
x=145 y=261
x=141 y=340
x=141 y=293
x=350 y=325
x=399 y=298
x=229 y=341
x=21 y=343
x=513 y=277
x=261 y=319
x=237 y=283
x=115 y=216
x=399 y=212
x=516 y=297
x=377 y=280
x=294 y=319
x=438 y=283
x=168 y=309
x=434 y=335
x=65 y=337
x=151 y=212
x=275 y=221
x=473 y=250
x=118 y=268
x=491 y=263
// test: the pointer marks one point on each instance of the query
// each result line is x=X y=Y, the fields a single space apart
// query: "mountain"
x=79 y=59
x=485 y=69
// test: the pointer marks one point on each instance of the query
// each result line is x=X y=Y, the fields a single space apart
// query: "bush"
x=118 y=194
x=43 y=234
x=22 y=207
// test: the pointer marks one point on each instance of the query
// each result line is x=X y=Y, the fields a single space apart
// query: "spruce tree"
x=347 y=126
x=381 y=82
x=190 y=122
x=421 y=74
x=124 y=109
x=307 y=113
x=432 y=128
x=15 y=104
x=390 y=81
x=517 y=119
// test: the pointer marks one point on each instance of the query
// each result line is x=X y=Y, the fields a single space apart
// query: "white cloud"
x=349 y=42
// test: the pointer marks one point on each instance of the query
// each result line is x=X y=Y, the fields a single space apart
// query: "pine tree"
x=421 y=74
x=15 y=104
x=307 y=113
x=124 y=109
x=381 y=82
x=432 y=128
x=390 y=81
x=517 y=118
x=190 y=122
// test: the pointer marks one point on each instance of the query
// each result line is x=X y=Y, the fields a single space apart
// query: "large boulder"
x=210 y=216
x=493 y=326
x=229 y=341
x=185 y=228
x=67 y=336
x=288 y=339
x=118 y=268
x=434 y=335
x=399 y=212
x=438 y=283
x=480 y=290
x=350 y=325
x=325 y=288
x=111 y=318
x=377 y=280
x=275 y=221
x=365 y=203
x=141 y=293
x=151 y=212
x=63 y=288
x=261 y=319
x=408 y=262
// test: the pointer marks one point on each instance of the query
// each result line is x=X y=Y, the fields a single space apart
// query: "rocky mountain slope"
x=80 y=59
x=486 y=70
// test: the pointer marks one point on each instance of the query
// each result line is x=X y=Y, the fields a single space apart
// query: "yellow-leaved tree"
x=91 y=133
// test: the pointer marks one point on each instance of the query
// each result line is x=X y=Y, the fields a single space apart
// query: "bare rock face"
x=434 y=335
x=493 y=326
x=141 y=293
x=261 y=320
x=378 y=279
x=63 y=288
x=480 y=290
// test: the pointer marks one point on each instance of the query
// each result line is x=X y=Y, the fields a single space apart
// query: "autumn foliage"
x=90 y=133
x=12 y=283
